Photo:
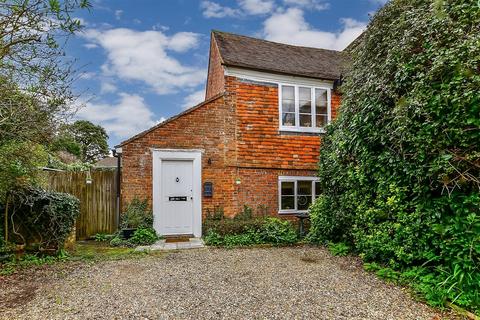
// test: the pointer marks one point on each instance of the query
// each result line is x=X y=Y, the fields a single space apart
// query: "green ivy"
x=41 y=218
x=400 y=167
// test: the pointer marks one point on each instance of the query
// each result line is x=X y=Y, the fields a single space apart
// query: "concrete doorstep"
x=193 y=243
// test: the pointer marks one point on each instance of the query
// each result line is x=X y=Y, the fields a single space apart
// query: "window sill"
x=291 y=212
x=302 y=130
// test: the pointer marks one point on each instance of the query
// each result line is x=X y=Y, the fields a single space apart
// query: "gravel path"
x=260 y=283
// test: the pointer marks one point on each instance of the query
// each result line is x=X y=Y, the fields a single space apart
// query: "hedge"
x=400 y=167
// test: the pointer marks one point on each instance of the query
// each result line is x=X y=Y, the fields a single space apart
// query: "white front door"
x=176 y=212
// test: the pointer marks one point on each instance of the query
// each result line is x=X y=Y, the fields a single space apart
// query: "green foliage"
x=103 y=237
x=144 y=236
x=118 y=241
x=246 y=214
x=276 y=231
x=137 y=215
x=91 y=138
x=30 y=260
x=217 y=214
x=231 y=226
x=250 y=232
x=64 y=141
x=19 y=163
x=338 y=249
x=42 y=218
x=400 y=168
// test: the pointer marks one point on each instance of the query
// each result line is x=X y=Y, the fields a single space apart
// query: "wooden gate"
x=97 y=199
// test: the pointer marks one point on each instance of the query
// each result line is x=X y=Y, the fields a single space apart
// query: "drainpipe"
x=117 y=153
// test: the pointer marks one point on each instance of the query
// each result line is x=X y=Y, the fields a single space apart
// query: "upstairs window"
x=304 y=108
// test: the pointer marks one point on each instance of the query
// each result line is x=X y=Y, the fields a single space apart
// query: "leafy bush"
x=277 y=231
x=42 y=218
x=338 y=249
x=137 y=215
x=144 y=236
x=257 y=231
x=231 y=226
x=399 y=169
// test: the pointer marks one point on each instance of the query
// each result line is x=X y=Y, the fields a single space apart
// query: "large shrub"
x=41 y=218
x=400 y=168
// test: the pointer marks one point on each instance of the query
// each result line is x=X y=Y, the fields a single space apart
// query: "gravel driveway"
x=260 y=283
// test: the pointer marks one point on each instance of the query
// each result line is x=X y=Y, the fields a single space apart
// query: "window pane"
x=304 y=188
x=322 y=120
x=305 y=106
x=288 y=105
x=305 y=120
x=305 y=100
x=320 y=97
x=288 y=119
x=303 y=202
x=305 y=93
x=288 y=203
x=321 y=101
x=288 y=188
x=317 y=189
x=288 y=92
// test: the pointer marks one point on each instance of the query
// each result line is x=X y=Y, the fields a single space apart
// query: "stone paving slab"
x=193 y=243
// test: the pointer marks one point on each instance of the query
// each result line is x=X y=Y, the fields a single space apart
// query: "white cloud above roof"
x=193 y=99
x=145 y=56
x=290 y=27
x=255 y=7
x=123 y=118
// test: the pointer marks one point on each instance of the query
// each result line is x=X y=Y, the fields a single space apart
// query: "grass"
x=84 y=251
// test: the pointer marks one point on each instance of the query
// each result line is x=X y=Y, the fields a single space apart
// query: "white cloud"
x=214 y=10
x=118 y=14
x=193 y=99
x=290 y=27
x=255 y=7
x=107 y=87
x=129 y=116
x=144 y=56
x=90 y=45
x=309 y=4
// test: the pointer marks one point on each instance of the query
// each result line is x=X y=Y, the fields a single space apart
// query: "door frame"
x=194 y=155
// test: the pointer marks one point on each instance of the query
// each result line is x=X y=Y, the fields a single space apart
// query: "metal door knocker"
x=178 y=180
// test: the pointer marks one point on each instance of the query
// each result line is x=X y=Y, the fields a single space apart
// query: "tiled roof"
x=257 y=54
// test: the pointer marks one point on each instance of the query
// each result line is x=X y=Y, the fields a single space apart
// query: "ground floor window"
x=296 y=194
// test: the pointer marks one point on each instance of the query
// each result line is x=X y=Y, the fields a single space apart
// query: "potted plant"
x=137 y=215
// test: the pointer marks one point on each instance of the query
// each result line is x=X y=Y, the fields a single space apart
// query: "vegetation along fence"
x=96 y=191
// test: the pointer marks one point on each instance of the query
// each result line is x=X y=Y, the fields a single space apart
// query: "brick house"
x=254 y=141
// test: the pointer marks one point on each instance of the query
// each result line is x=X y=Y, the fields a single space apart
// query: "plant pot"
x=128 y=233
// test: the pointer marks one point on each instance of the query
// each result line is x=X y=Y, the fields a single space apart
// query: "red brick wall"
x=215 y=79
x=259 y=187
x=210 y=127
x=239 y=132
x=260 y=144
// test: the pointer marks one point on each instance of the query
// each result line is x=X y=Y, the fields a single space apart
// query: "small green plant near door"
x=136 y=226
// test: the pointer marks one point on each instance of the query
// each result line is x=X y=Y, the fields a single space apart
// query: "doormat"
x=177 y=239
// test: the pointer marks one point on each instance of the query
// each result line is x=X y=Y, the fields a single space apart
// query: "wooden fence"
x=97 y=199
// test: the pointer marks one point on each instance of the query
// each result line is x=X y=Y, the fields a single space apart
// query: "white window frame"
x=295 y=180
x=297 y=127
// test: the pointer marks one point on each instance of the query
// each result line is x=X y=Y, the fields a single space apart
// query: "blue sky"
x=143 y=61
